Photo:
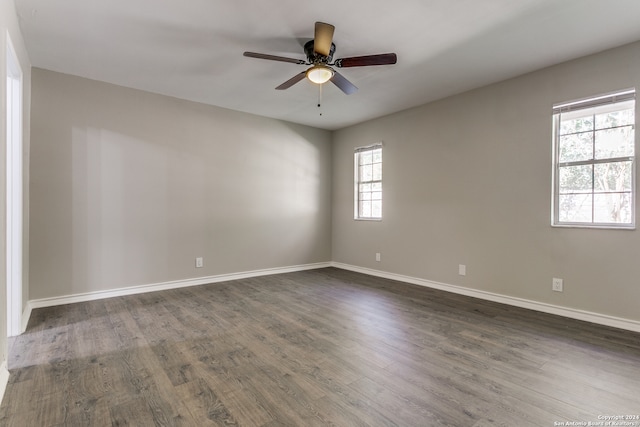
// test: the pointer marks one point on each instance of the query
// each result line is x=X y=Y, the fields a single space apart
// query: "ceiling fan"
x=319 y=52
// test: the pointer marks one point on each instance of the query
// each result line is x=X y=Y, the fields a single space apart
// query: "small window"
x=594 y=162
x=368 y=182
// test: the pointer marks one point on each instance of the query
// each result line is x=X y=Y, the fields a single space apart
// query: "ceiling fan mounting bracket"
x=316 y=58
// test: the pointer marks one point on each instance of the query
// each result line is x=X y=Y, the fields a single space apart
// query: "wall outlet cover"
x=557 y=284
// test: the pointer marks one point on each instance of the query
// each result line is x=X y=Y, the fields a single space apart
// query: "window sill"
x=368 y=219
x=596 y=227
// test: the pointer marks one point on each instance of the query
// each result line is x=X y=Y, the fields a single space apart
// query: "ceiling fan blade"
x=345 y=85
x=274 y=58
x=364 y=61
x=293 y=80
x=323 y=38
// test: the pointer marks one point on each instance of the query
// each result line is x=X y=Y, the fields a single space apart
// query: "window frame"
x=592 y=103
x=357 y=182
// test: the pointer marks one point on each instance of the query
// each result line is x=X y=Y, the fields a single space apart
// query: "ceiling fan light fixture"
x=319 y=74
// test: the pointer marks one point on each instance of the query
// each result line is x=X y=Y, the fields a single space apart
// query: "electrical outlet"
x=557 y=284
x=378 y=258
x=199 y=262
x=462 y=270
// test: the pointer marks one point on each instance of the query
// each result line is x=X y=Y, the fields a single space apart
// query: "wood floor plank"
x=244 y=403
x=205 y=404
x=133 y=413
x=322 y=347
x=91 y=412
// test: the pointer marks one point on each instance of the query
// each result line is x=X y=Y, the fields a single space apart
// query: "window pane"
x=377 y=172
x=376 y=155
x=365 y=209
x=576 y=179
x=614 y=208
x=575 y=208
x=620 y=117
x=618 y=142
x=576 y=147
x=376 y=196
x=365 y=187
x=376 y=186
x=365 y=158
x=366 y=173
x=365 y=196
x=376 y=209
x=615 y=176
x=571 y=124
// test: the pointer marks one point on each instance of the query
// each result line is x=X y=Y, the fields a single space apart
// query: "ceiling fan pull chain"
x=319 y=96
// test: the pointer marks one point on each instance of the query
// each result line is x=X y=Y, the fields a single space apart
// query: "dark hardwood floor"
x=322 y=347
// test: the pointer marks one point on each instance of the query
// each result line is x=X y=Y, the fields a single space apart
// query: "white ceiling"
x=192 y=49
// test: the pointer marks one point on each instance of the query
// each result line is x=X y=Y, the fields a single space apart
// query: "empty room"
x=346 y=213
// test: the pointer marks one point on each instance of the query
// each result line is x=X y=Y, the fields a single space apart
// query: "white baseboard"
x=4 y=379
x=601 y=319
x=572 y=313
x=92 y=296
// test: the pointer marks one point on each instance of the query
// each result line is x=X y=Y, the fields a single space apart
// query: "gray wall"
x=128 y=187
x=467 y=180
x=9 y=23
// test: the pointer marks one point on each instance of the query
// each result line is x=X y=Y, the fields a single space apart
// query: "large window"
x=368 y=182
x=594 y=162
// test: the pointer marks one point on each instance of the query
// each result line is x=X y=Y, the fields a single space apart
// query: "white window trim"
x=356 y=182
x=584 y=103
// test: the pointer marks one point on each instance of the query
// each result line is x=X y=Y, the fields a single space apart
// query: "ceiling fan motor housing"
x=315 y=58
